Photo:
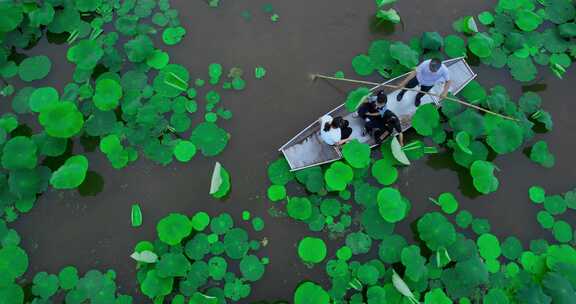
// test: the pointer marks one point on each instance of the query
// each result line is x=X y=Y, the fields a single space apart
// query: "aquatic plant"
x=191 y=252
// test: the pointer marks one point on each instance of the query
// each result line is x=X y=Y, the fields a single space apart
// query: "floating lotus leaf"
x=310 y=293
x=489 y=246
x=355 y=98
x=330 y=207
x=437 y=296
x=391 y=205
x=13 y=262
x=435 y=230
x=469 y=121
x=338 y=176
x=222 y=223
x=384 y=173
x=61 y=120
x=236 y=243
x=504 y=136
x=567 y=30
x=197 y=247
x=356 y=154
x=359 y=242
x=522 y=69
x=362 y=65
x=559 y=288
x=220 y=184
x=217 y=267
x=279 y=172
x=559 y=11
x=379 y=53
x=209 y=138
x=448 y=202
x=426 y=119
x=172 y=265
x=530 y=102
x=464 y=219
x=153 y=285
x=299 y=208
x=276 y=193
x=540 y=154
x=432 y=41
x=562 y=231
x=12 y=16
x=405 y=55
x=107 y=95
x=173 y=35
x=259 y=72
x=486 y=18
x=414 y=262
x=312 y=250
x=483 y=176
x=555 y=204
x=19 y=153
x=495 y=296
x=390 y=15
x=173 y=228
x=252 y=268
x=537 y=194
x=68 y=277
x=511 y=248
x=158 y=59
x=45 y=285
x=454 y=46
x=71 y=174
x=85 y=54
x=368 y=274
x=34 y=68
x=184 y=151
x=139 y=48
x=481 y=45
x=100 y=123
x=258 y=224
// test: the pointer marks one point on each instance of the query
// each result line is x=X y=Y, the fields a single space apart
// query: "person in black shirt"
x=386 y=125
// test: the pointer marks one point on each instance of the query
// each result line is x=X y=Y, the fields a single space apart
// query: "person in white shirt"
x=334 y=131
x=427 y=74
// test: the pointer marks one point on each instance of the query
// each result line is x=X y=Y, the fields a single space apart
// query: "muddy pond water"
x=91 y=228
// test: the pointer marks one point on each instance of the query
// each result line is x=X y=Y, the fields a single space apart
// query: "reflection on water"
x=56 y=162
x=537 y=87
x=21 y=130
x=92 y=185
x=89 y=143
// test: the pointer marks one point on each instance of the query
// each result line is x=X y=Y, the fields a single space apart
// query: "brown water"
x=66 y=228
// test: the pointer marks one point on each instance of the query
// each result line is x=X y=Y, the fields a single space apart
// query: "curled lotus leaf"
x=71 y=174
x=483 y=176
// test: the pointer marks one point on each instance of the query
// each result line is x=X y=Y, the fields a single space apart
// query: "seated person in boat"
x=373 y=107
x=384 y=126
x=334 y=131
x=427 y=74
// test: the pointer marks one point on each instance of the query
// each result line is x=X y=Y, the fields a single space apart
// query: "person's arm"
x=343 y=141
x=407 y=79
x=401 y=139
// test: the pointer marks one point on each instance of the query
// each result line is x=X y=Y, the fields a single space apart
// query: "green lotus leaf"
x=197 y=247
x=432 y=41
x=85 y=54
x=184 y=150
x=437 y=296
x=454 y=46
x=559 y=11
x=310 y=293
x=12 y=15
x=107 y=95
x=527 y=20
x=384 y=172
x=279 y=172
x=139 y=48
x=68 y=277
x=504 y=136
x=13 y=262
x=358 y=242
x=495 y=296
x=530 y=102
x=469 y=121
x=414 y=262
x=379 y=53
x=448 y=202
x=222 y=223
x=10 y=292
x=481 y=45
x=522 y=69
x=87 y=5
x=390 y=15
x=172 y=265
x=426 y=119
x=391 y=205
x=466 y=25
x=368 y=274
x=173 y=35
x=236 y=243
x=356 y=97
x=34 y=68
x=512 y=248
x=537 y=194
x=489 y=246
x=173 y=228
x=483 y=176
x=330 y=207
x=559 y=288
x=61 y=120
x=555 y=204
x=252 y=268
x=541 y=155
x=486 y=18
x=209 y=138
x=258 y=224
x=259 y=72
x=356 y=154
x=215 y=72
x=217 y=267
x=562 y=231
x=276 y=193
x=362 y=65
x=19 y=153
x=338 y=176
x=405 y=55
x=153 y=285
x=172 y=80
x=299 y=208
x=567 y=30
x=312 y=250
x=158 y=59
x=436 y=231
x=71 y=174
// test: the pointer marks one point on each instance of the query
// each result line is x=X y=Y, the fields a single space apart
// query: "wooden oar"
x=377 y=85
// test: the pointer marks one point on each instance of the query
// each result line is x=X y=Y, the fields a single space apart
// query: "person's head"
x=435 y=64
x=381 y=99
x=335 y=123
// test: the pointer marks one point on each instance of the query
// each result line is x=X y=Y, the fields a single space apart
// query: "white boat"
x=307 y=148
